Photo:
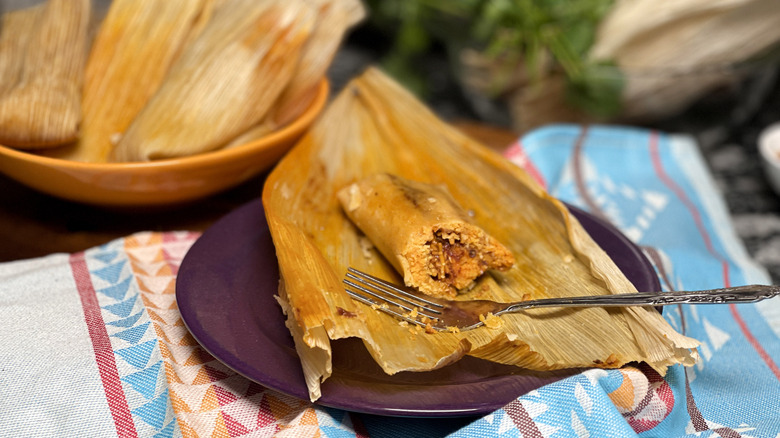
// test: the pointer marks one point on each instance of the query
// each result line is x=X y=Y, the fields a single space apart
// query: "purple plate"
x=225 y=291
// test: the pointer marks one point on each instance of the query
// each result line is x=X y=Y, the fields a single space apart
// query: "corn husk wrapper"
x=14 y=36
x=254 y=133
x=256 y=44
x=672 y=52
x=43 y=109
x=334 y=19
x=376 y=126
x=117 y=84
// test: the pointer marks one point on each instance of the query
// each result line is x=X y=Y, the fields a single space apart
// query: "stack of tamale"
x=42 y=51
x=162 y=79
x=375 y=126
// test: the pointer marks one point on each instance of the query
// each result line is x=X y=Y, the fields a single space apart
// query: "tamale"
x=334 y=19
x=15 y=32
x=254 y=43
x=133 y=50
x=375 y=126
x=43 y=109
x=208 y=8
x=423 y=233
x=254 y=133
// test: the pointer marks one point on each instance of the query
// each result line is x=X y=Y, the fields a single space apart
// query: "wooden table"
x=33 y=224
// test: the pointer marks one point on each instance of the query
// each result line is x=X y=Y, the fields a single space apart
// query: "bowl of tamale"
x=159 y=182
x=145 y=103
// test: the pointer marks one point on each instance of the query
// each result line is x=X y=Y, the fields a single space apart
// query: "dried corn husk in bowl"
x=376 y=126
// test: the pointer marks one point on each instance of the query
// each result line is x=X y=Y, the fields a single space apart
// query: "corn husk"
x=334 y=18
x=256 y=44
x=376 y=126
x=43 y=108
x=117 y=83
x=254 y=133
x=14 y=36
x=208 y=9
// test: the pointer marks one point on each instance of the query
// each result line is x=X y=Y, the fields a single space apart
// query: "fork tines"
x=390 y=299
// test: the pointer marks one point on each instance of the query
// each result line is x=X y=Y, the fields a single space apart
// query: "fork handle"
x=738 y=294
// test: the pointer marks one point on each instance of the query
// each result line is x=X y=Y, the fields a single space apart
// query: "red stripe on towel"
x=680 y=193
x=101 y=344
x=517 y=154
x=754 y=342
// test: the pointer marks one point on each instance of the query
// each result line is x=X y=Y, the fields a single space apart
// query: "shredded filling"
x=454 y=262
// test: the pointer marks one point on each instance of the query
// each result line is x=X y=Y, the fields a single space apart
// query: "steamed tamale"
x=43 y=108
x=254 y=133
x=375 y=126
x=225 y=81
x=15 y=31
x=334 y=19
x=423 y=233
x=132 y=52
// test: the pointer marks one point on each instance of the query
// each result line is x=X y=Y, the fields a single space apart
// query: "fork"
x=439 y=314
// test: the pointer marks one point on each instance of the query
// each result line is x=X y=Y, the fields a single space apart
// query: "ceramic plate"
x=225 y=291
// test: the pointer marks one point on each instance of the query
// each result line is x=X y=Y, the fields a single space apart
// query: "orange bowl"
x=160 y=182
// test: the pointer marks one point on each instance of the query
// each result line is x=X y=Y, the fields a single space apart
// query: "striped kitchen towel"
x=93 y=343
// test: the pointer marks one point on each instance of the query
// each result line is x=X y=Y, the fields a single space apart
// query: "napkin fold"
x=93 y=343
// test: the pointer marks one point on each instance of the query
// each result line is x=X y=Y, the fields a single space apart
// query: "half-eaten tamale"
x=423 y=233
x=375 y=126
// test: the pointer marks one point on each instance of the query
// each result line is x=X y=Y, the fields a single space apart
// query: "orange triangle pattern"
x=170 y=374
x=309 y=417
x=220 y=429
x=165 y=270
x=188 y=340
x=154 y=316
x=209 y=399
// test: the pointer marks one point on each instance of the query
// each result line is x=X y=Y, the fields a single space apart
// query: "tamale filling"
x=453 y=261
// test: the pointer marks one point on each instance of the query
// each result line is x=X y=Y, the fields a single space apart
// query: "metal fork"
x=439 y=314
